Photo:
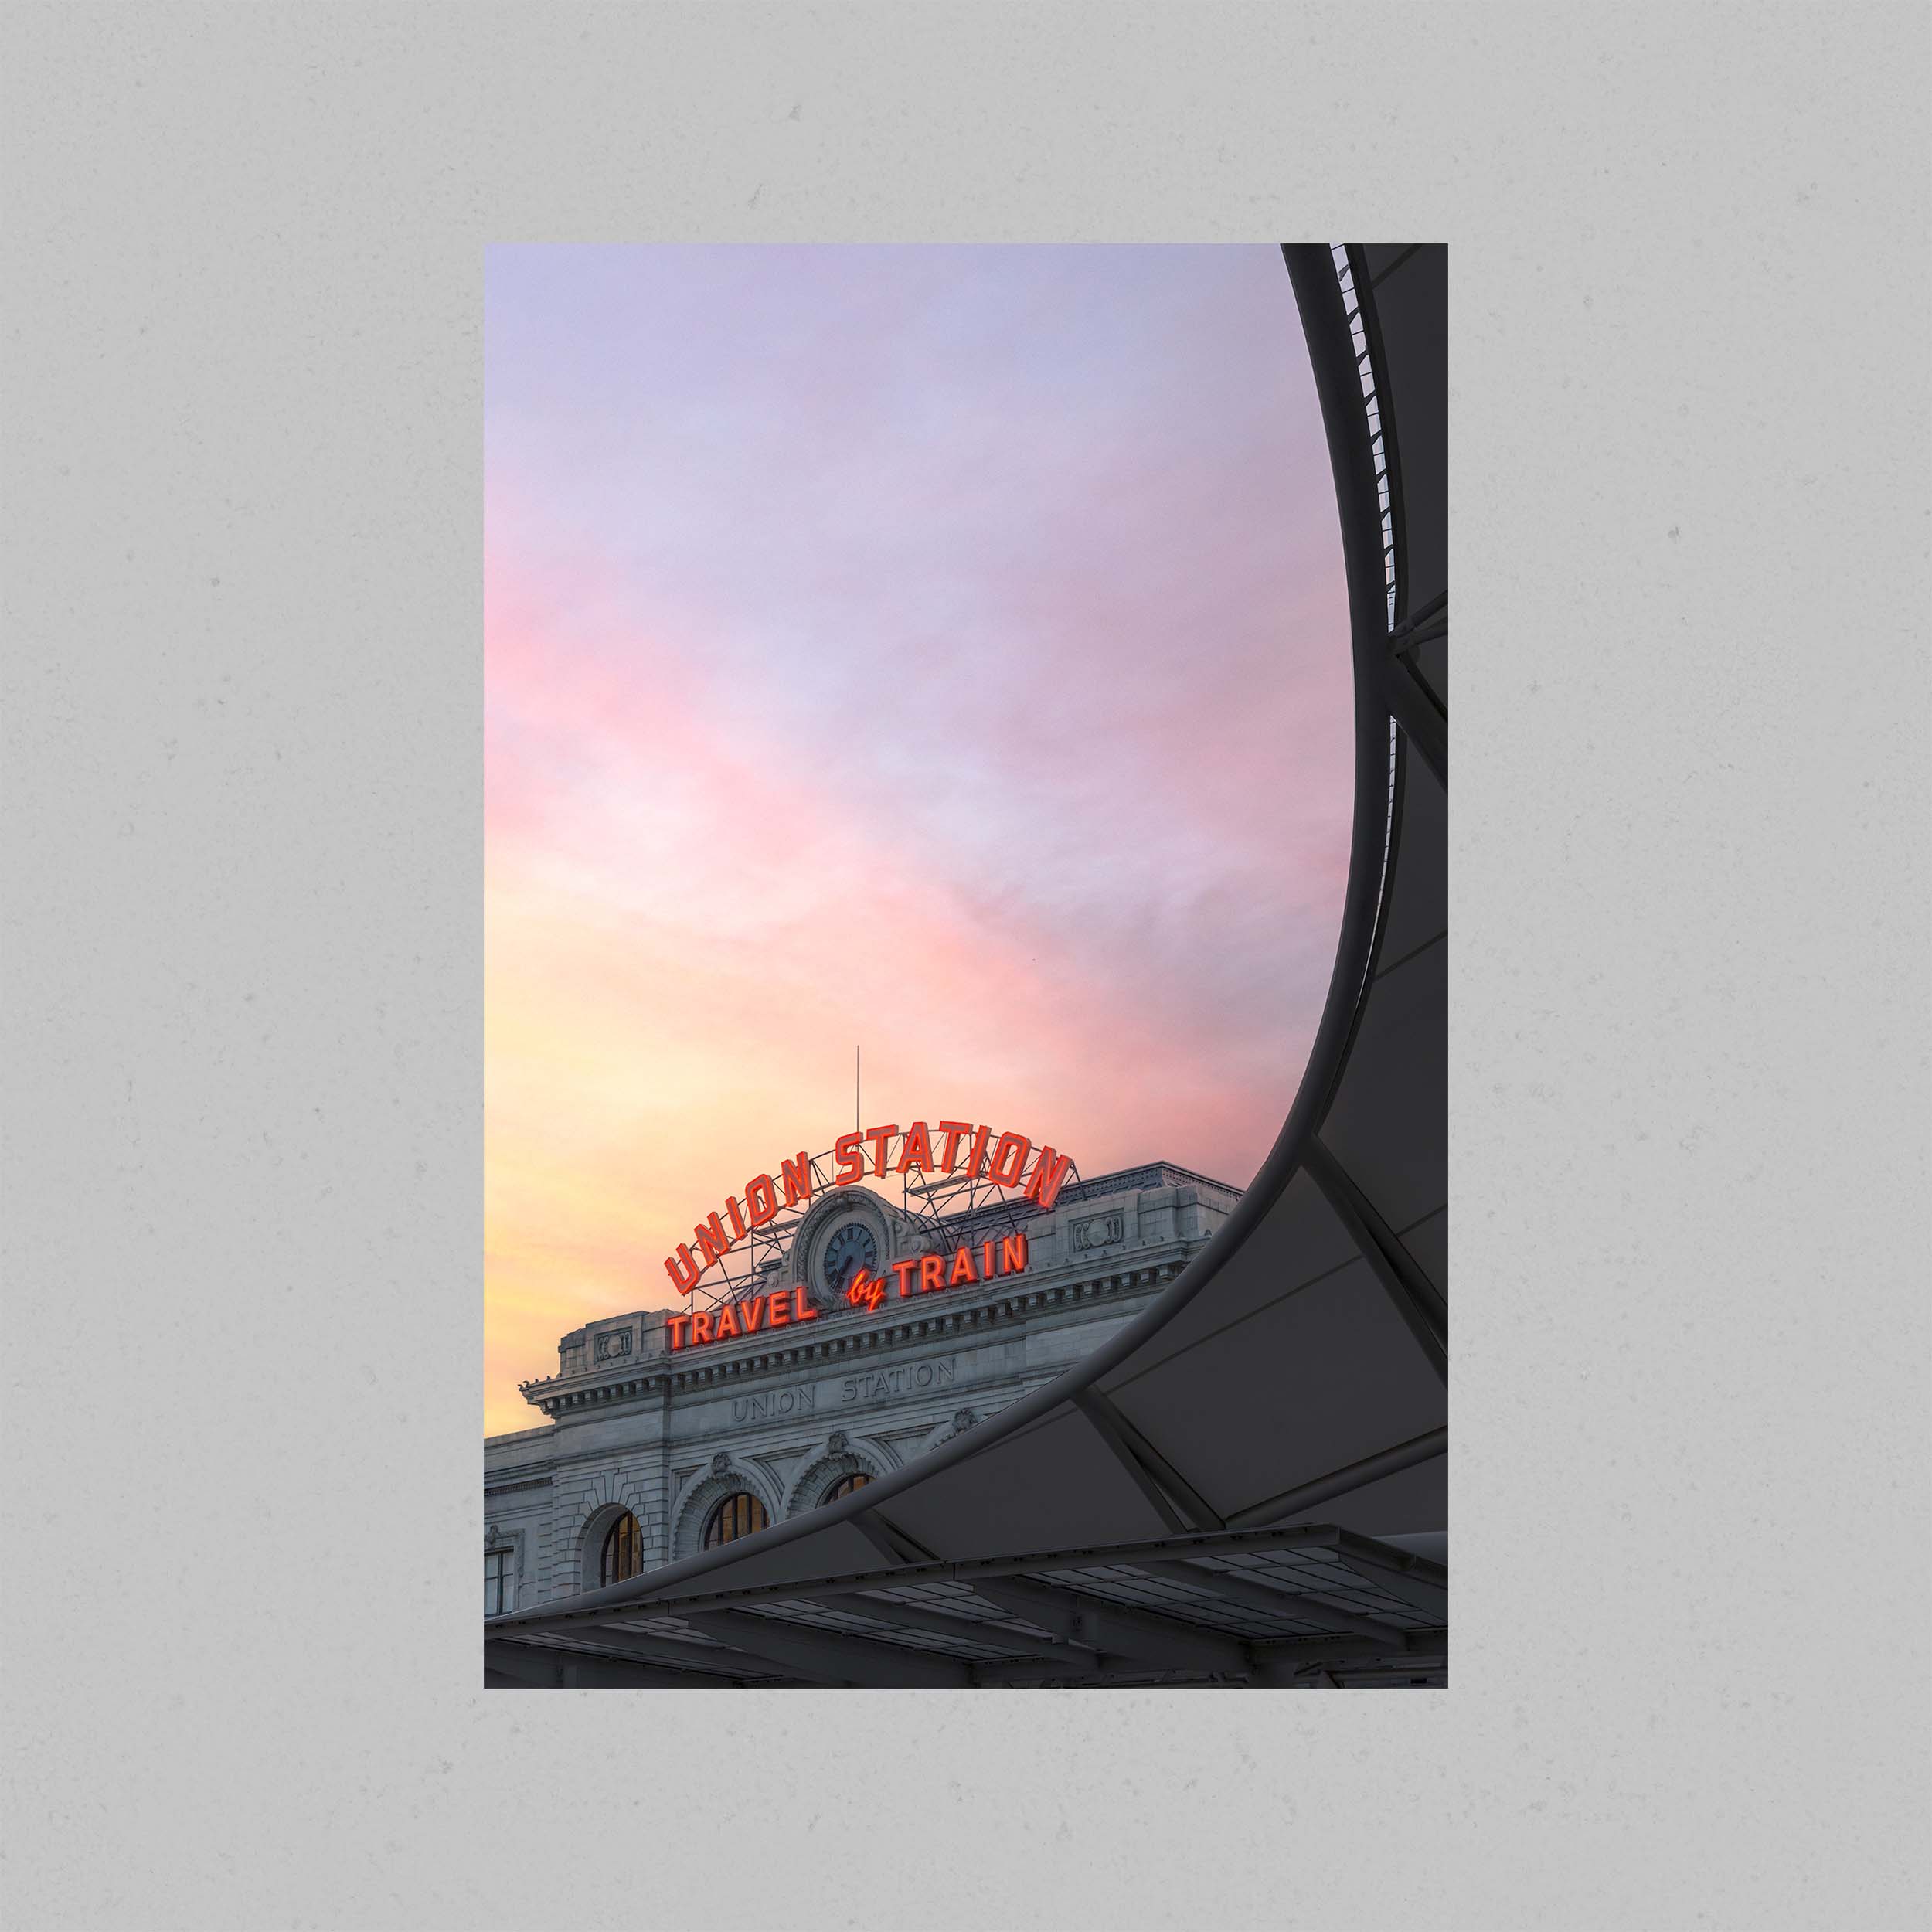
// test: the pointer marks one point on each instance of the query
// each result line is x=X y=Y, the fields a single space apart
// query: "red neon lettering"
x=713 y=1243
x=797 y=1178
x=1013 y=1164
x=867 y=1291
x=917 y=1152
x=1049 y=1171
x=1010 y=1151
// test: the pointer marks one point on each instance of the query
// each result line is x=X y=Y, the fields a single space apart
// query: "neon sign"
x=784 y=1308
x=938 y=1271
x=1007 y=1160
x=779 y=1309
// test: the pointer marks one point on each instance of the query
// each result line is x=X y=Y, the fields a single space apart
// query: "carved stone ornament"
x=964 y=1421
x=720 y=1463
x=1100 y=1231
x=837 y=1443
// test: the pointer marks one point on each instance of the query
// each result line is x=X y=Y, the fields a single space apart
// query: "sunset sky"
x=939 y=649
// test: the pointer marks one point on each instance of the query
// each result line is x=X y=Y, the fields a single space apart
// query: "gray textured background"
x=243 y=816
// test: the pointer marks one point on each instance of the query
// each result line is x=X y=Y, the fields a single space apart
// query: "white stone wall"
x=666 y=1436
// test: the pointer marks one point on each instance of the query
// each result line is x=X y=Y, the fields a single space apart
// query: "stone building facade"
x=647 y=1448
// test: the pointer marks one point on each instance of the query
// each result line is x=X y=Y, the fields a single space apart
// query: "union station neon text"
x=1003 y=1159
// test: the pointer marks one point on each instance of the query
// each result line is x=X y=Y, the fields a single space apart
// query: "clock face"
x=848 y=1251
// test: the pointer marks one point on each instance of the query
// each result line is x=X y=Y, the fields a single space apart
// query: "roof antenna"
x=855 y=1117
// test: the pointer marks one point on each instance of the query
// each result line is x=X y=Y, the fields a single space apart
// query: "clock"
x=849 y=1249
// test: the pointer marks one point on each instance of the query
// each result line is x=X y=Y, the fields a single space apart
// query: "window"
x=623 y=1551
x=845 y=1485
x=497 y=1585
x=737 y=1515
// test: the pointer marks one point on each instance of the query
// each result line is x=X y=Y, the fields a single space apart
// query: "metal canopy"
x=1286 y=1606
x=1295 y=1372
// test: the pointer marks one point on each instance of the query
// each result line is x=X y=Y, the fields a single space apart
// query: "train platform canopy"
x=1302 y=1607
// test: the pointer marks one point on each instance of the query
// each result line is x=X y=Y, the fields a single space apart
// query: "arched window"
x=623 y=1551
x=845 y=1485
x=737 y=1515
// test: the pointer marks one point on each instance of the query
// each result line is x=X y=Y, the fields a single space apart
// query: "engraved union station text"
x=876 y=1384
x=786 y=1402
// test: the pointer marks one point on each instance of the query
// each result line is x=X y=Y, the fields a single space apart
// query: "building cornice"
x=574 y=1396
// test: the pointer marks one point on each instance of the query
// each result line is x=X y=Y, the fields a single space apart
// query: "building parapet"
x=848 y=1332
